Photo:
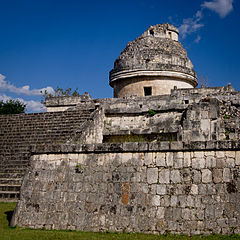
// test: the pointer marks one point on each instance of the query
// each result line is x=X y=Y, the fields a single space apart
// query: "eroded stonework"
x=188 y=192
x=165 y=163
x=154 y=164
x=155 y=60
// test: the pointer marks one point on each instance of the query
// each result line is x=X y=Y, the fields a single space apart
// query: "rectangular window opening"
x=147 y=91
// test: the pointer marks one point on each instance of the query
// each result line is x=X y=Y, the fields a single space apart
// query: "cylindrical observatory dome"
x=153 y=64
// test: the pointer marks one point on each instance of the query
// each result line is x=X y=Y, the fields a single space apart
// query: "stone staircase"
x=20 y=131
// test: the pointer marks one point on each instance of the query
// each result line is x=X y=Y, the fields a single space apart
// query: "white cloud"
x=6 y=86
x=191 y=25
x=32 y=106
x=4 y=98
x=222 y=7
x=197 y=39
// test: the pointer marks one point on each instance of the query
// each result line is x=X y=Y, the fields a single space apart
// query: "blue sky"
x=50 y=43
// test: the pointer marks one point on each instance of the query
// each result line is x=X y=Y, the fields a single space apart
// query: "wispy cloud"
x=32 y=106
x=222 y=7
x=197 y=39
x=25 y=90
x=190 y=25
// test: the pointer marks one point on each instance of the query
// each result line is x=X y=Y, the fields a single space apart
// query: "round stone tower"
x=153 y=64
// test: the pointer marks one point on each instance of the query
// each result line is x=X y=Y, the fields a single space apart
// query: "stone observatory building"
x=153 y=64
x=166 y=160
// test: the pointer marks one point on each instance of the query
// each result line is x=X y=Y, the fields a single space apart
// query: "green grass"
x=7 y=233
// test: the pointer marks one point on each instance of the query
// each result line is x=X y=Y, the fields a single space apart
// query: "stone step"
x=9 y=196
x=13 y=170
x=11 y=175
x=10 y=181
x=10 y=187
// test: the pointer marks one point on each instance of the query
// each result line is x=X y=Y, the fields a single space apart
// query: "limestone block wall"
x=62 y=103
x=128 y=87
x=18 y=132
x=136 y=187
x=117 y=124
x=167 y=118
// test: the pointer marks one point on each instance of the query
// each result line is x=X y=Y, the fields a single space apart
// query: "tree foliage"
x=12 y=107
x=203 y=81
x=59 y=92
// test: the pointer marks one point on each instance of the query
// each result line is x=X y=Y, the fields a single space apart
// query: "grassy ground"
x=7 y=233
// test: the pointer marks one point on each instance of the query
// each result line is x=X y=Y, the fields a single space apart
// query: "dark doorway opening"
x=147 y=91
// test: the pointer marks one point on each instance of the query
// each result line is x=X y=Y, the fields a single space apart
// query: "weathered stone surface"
x=206 y=176
x=175 y=176
x=164 y=175
x=152 y=175
x=151 y=55
x=112 y=186
x=227 y=175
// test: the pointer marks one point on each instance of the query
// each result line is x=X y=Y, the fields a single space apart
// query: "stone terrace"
x=19 y=132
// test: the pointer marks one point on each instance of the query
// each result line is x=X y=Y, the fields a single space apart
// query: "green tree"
x=12 y=107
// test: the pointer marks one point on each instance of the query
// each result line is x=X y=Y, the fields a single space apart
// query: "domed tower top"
x=153 y=64
x=162 y=31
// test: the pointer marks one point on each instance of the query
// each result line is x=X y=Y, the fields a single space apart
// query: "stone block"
x=176 y=145
x=221 y=162
x=198 y=154
x=142 y=146
x=160 y=212
x=230 y=162
x=217 y=175
x=152 y=175
x=222 y=222
x=164 y=175
x=153 y=189
x=186 y=159
x=169 y=159
x=173 y=201
x=186 y=214
x=190 y=201
x=238 y=158
x=156 y=200
x=220 y=154
x=165 y=201
x=161 y=189
x=145 y=188
x=227 y=177
x=175 y=176
x=196 y=176
x=210 y=162
x=164 y=146
x=198 y=163
x=178 y=162
x=160 y=159
x=125 y=157
x=194 y=189
x=148 y=159
x=206 y=176
x=205 y=127
x=230 y=154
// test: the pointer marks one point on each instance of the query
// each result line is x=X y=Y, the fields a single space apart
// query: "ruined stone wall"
x=185 y=115
x=19 y=132
x=62 y=103
x=153 y=164
x=163 y=187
